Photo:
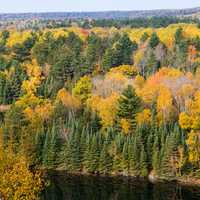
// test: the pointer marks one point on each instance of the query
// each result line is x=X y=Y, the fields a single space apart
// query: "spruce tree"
x=117 y=147
x=93 y=155
x=49 y=149
x=143 y=162
x=132 y=154
x=154 y=40
x=178 y=36
x=125 y=158
x=149 y=145
x=129 y=104
x=155 y=155
x=170 y=153
x=105 y=160
x=107 y=60
x=152 y=64
x=86 y=160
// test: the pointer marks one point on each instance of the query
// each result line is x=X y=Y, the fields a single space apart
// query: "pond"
x=68 y=187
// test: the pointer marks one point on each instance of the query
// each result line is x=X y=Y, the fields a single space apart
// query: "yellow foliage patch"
x=17 y=37
x=67 y=99
x=126 y=70
x=125 y=125
x=144 y=117
x=106 y=108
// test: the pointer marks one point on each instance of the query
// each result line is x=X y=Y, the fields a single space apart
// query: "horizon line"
x=100 y=11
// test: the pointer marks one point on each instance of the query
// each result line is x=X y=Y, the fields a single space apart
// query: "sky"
x=92 y=5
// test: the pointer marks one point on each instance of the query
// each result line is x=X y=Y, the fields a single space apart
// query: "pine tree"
x=49 y=150
x=125 y=158
x=132 y=154
x=129 y=105
x=155 y=156
x=143 y=162
x=154 y=40
x=83 y=146
x=105 y=160
x=86 y=161
x=107 y=60
x=152 y=64
x=76 y=149
x=149 y=145
x=117 y=148
x=93 y=52
x=92 y=155
x=170 y=153
x=178 y=36
x=144 y=37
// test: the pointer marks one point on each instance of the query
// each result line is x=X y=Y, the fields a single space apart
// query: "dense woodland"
x=89 y=23
x=102 y=101
x=101 y=14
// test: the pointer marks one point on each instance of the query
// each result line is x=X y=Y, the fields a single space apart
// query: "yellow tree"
x=193 y=143
x=17 y=182
x=191 y=121
x=67 y=99
x=105 y=107
x=164 y=105
x=83 y=89
x=144 y=117
x=34 y=73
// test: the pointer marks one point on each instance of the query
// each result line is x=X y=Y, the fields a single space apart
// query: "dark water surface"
x=65 y=187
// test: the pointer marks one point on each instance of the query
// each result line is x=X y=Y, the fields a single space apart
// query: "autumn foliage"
x=98 y=100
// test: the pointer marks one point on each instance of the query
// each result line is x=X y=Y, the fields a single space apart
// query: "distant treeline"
x=101 y=15
x=152 y=22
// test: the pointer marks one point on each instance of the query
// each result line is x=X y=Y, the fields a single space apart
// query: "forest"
x=102 y=100
x=112 y=14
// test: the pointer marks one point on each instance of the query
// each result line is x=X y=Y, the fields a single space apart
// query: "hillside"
x=97 y=99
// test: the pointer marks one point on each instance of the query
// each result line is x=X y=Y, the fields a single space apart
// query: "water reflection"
x=64 y=187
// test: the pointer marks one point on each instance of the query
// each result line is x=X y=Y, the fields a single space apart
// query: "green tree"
x=152 y=64
x=144 y=37
x=123 y=50
x=133 y=157
x=107 y=60
x=129 y=104
x=105 y=160
x=93 y=53
x=156 y=155
x=154 y=40
x=143 y=162
x=178 y=35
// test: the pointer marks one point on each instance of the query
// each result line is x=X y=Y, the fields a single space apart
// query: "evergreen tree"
x=92 y=161
x=93 y=53
x=150 y=142
x=178 y=36
x=107 y=60
x=129 y=104
x=152 y=64
x=105 y=160
x=156 y=155
x=50 y=149
x=117 y=147
x=133 y=158
x=170 y=153
x=123 y=51
x=144 y=37
x=154 y=40
x=143 y=162
x=125 y=158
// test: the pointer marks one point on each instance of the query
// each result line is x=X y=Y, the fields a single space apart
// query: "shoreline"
x=154 y=179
